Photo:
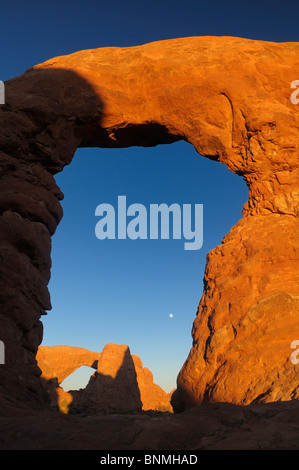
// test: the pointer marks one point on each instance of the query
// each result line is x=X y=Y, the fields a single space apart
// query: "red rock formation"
x=220 y=426
x=153 y=397
x=58 y=362
x=113 y=388
x=230 y=98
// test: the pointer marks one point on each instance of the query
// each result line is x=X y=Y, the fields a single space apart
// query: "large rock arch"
x=120 y=378
x=58 y=362
x=229 y=98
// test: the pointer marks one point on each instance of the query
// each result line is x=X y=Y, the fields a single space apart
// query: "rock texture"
x=270 y=426
x=58 y=362
x=120 y=383
x=230 y=99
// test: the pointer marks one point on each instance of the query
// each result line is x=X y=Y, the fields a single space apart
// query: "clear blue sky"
x=123 y=291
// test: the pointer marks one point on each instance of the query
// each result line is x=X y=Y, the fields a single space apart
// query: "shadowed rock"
x=153 y=397
x=112 y=388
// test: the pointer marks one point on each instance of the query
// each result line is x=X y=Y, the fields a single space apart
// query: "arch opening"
x=143 y=293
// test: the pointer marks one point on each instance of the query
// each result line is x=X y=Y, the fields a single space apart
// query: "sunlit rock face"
x=120 y=384
x=114 y=387
x=153 y=397
x=230 y=99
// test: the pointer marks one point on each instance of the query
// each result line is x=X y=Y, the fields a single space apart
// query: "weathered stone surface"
x=58 y=362
x=247 y=319
x=114 y=387
x=223 y=426
x=230 y=98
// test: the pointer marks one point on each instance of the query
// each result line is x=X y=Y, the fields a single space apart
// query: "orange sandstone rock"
x=153 y=397
x=119 y=378
x=113 y=388
x=58 y=362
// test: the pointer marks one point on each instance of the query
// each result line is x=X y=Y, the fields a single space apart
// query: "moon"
x=170 y=315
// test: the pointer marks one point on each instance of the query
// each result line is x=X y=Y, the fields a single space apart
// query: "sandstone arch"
x=58 y=362
x=230 y=98
x=120 y=379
